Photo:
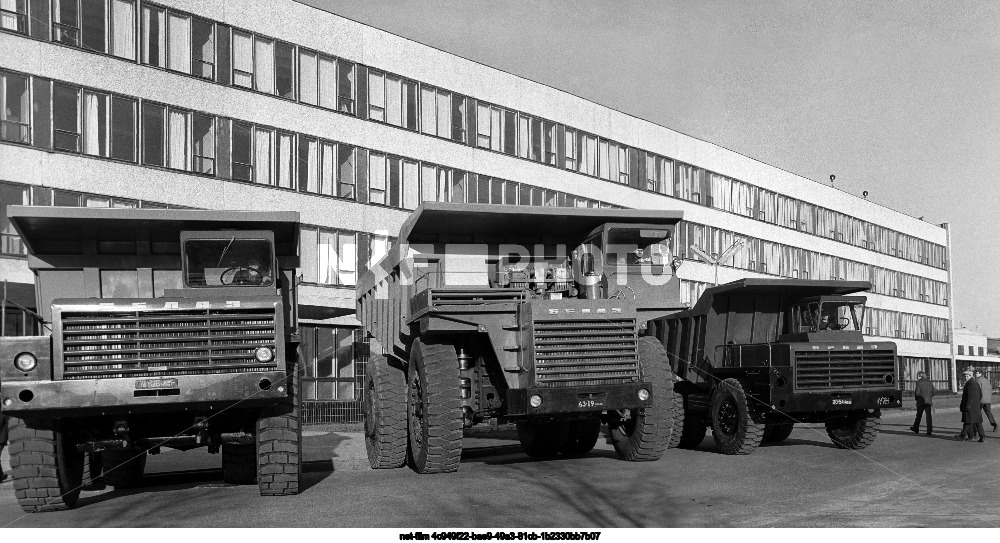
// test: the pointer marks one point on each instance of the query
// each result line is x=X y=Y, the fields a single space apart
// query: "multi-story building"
x=276 y=105
x=972 y=351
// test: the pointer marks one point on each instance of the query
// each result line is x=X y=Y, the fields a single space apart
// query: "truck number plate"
x=150 y=384
x=586 y=404
x=841 y=401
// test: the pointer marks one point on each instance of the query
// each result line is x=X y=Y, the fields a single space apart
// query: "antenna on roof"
x=832 y=177
x=865 y=194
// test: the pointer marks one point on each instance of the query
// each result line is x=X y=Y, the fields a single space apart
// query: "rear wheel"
x=778 y=431
x=434 y=407
x=581 y=436
x=239 y=464
x=644 y=434
x=123 y=469
x=385 y=412
x=696 y=409
x=542 y=438
x=734 y=430
x=856 y=431
x=46 y=467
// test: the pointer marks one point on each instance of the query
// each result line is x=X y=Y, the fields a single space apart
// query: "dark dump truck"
x=167 y=328
x=758 y=355
x=520 y=314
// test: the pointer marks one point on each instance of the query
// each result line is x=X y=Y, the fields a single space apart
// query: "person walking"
x=987 y=388
x=924 y=396
x=3 y=443
x=972 y=414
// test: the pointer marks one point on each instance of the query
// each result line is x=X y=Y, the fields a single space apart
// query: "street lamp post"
x=715 y=259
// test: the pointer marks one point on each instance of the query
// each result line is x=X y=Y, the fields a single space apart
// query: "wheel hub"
x=728 y=417
x=416 y=407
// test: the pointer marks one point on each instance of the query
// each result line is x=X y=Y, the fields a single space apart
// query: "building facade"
x=276 y=105
x=972 y=350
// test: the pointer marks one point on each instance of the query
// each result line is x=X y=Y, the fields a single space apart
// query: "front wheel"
x=434 y=407
x=47 y=468
x=734 y=431
x=854 y=432
x=279 y=443
x=645 y=434
x=778 y=432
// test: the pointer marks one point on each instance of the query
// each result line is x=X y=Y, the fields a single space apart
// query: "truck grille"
x=847 y=369
x=579 y=352
x=109 y=344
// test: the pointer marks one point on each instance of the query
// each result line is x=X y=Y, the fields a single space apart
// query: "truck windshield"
x=638 y=246
x=816 y=316
x=223 y=262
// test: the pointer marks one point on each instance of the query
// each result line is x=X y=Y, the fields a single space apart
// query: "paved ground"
x=902 y=480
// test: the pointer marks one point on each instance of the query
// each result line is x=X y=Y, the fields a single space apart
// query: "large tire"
x=542 y=438
x=385 y=412
x=778 y=431
x=46 y=467
x=434 y=407
x=239 y=464
x=696 y=409
x=123 y=469
x=279 y=443
x=645 y=434
x=855 y=432
x=732 y=428
x=581 y=437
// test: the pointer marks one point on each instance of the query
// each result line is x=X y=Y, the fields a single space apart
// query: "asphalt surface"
x=903 y=480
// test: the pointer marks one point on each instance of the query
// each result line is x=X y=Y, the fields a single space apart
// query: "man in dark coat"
x=972 y=415
x=924 y=395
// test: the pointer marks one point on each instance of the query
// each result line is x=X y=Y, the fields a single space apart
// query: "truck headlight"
x=25 y=362
x=263 y=354
x=535 y=400
x=643 y=394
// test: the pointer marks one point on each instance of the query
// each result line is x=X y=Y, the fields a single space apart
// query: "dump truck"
x=162 y=328
x=530 y=315
x=756 y=356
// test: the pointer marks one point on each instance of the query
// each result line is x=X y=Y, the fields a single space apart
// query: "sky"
x=901 y=99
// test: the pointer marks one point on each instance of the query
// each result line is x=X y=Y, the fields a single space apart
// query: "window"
x=307 y=77
x=178 y=136
x=154 y=41
x=95 y=123
x=623 y=165
x=263 y=157
x=10 y=195
x=203 y=49
x=345 y=87
x=980 y=351
x=65 y=118
x=524 y=137
x=336 y=258
x=411 y=185
x=458 y=120
x=549 y=143
x=66 y=22
x=333 y=359
x=123 y=28
x=409 y=105
x=393 y=101
x=327 y=82
x=94 y=23
x=263 y=62
x=284 y=70
x=153 y=125
x=308 y=164
x=327 y=172
x=241 y=152
x=204 y=144
x=961 y=349
x=571 y=150
x=346 y=171
x=179 y=47
x=15 y=113
x=243 y=61
x=286 y=164
x=376 y=178
x=123 y=128
x=14 y=15
x=428 y=110
x=376 y=96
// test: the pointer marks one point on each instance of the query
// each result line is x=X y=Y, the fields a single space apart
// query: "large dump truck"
x=755 y=356
x=520 y=314
x=170 y=328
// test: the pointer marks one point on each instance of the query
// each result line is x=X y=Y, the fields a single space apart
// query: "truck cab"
x=173 y=328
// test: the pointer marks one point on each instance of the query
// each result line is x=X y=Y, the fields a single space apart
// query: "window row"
x=972 y=350
x=123 y=128
x=938 y=370
x=189 y=44
x=782 y=260
x=334 y=360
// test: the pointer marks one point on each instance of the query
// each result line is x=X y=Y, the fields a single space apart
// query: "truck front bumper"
x=569 y=400
x=88 y=397
x=845 y=400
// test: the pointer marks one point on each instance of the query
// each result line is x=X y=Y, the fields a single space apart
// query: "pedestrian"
x=987 y=388
x=3 y=443
x=972 y=414
x=924 y=395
